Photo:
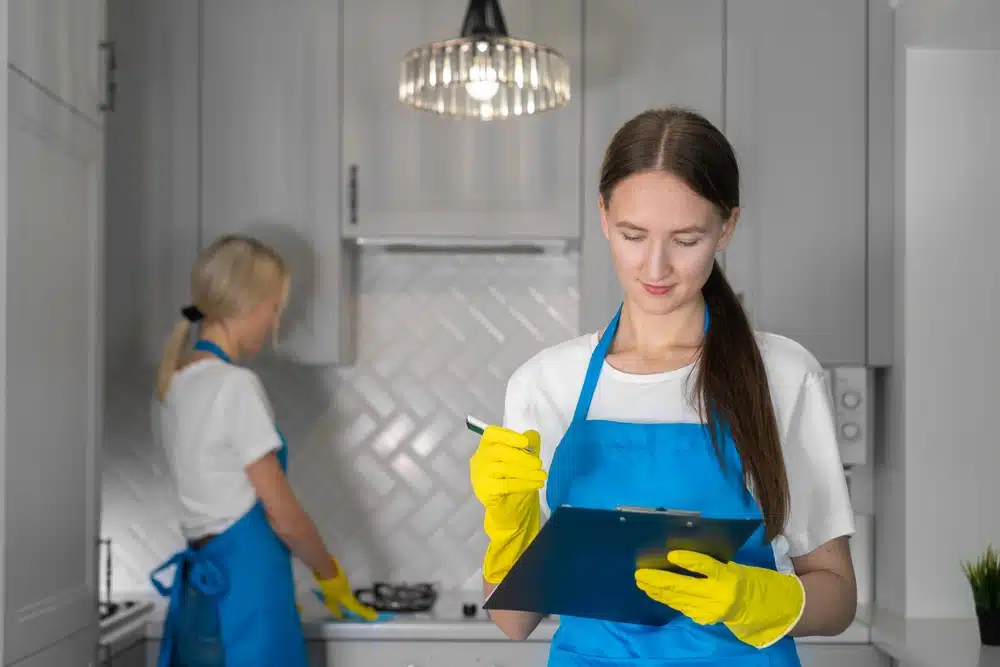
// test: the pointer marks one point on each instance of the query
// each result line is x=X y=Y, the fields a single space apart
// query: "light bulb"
x=482 y=85
x=482 y=91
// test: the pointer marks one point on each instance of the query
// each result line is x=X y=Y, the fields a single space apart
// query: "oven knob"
x=850 y=431
x=469 y=610
x=851 y=399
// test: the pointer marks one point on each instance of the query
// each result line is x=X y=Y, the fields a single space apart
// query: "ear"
x=728 y=227
x=604 y=216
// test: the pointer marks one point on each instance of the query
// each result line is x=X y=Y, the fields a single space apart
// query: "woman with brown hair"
x=678 y=403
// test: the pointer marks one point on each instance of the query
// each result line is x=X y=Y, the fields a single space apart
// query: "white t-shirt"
x=543 y=392
x=215 y=421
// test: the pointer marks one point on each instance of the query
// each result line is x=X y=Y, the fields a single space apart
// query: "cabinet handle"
x=352 y=194
x=111 y=85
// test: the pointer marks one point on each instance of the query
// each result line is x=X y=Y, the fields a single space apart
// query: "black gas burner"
x=401 y=598
x=109 y=609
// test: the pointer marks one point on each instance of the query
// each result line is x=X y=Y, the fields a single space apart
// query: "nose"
x=658 y=261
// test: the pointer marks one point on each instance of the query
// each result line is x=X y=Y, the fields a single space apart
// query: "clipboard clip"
x=692 y=514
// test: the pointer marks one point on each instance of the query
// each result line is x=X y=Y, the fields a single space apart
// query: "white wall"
x=951 y=319
x=937 y=495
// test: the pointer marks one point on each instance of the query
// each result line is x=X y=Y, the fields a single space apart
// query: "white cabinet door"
x=136 y=655
x=796 y=111
x=638 y=55
x=418 y=174
x=841 y=655
x=152 y=166
x=270 y=115
x=73 y=651
x=57 y=44
x=528 y=654
x=53 y=371
x=434 y=653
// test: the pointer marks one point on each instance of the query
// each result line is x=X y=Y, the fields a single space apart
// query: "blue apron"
x=232 y=602
x=606 y=464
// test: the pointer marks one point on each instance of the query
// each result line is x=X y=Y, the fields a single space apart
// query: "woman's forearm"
x=287 y=517
x=831 y=604
x=515 y=624
x=303 y=539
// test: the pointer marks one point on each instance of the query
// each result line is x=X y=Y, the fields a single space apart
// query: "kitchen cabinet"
x=55 y=45
x=796 y=112
x=152 y=171
x=135 y=655
x=841 y=655
x=270 y=154
x=446 y=654
x=510 y=653
x=788 y=81
x=52 y=361
x=419 y=175
x=637 y=55
x=228 y=122
x=254 y=120
x=74 y=651
x=345 y=653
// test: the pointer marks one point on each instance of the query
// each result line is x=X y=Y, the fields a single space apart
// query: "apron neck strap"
x=205 y=345
x=594 y=368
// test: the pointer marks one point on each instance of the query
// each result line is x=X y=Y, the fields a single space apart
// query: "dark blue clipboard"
x=582 y=563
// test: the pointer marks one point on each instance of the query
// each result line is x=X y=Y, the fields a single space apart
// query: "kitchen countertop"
x=932 y=642
x=912 y=642
x=446 y=623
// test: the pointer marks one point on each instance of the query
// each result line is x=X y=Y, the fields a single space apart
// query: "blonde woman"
x=233 y=599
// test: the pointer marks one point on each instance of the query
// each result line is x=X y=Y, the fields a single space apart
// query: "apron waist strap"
x=199 y=570
x=200 y=542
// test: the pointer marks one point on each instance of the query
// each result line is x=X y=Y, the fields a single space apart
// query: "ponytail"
x=171 y=357
x=733 y=393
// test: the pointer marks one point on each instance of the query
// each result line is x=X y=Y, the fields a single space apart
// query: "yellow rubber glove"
x=506 y=474
x=759 y=606
x=337 y=595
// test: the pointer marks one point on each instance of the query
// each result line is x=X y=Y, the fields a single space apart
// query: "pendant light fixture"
x=484 y=73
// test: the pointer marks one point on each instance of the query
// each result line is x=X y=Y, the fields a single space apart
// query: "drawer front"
x=843 y=655
x=527 y=654
x=429 y=654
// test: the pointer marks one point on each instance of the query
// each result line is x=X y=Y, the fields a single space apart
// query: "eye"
x=629 y=237
x=687 y=243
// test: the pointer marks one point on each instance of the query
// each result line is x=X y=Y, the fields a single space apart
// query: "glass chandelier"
x=484 y=73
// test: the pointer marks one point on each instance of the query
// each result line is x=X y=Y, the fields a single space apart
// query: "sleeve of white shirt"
x=519 y=415
x=517 y=410
x=249 y=418
x=819 y=505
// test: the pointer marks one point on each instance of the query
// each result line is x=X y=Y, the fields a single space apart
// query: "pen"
x=476 y=425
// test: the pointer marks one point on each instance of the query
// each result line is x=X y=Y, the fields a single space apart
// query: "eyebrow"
x=690 y=229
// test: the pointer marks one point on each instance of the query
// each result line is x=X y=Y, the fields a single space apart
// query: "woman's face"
x=262 y=321
x=663 y=239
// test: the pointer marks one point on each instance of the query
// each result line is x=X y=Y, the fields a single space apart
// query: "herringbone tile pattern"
x=379 y=451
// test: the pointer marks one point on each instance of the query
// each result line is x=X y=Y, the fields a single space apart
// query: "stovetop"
x=399 y=598
x=108 y=609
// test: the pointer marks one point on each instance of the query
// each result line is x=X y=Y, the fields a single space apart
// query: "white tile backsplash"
x=379 y=450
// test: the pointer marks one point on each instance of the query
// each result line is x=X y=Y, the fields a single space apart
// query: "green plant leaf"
x=983 y=575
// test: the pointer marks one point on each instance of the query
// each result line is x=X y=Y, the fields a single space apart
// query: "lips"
x=657 y=290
